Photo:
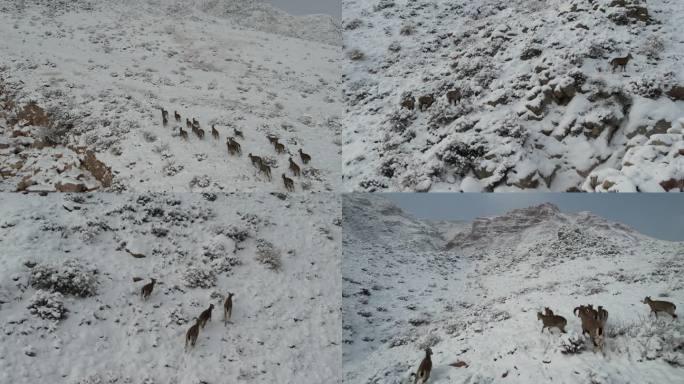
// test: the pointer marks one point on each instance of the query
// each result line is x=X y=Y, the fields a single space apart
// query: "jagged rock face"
x=544 y=220
x=484 y=230
x=376 y=219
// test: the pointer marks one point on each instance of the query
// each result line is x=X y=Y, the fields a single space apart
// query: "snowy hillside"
x=72 y=313
x=516 y=95
x=474 y=298
x=82 y=84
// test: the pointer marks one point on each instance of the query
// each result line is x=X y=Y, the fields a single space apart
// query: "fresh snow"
x=539 y=106
x=101 y=70
x=285 y=323
x=471 y=291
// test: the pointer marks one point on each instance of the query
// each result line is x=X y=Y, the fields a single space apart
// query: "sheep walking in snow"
x=146 y=290
x=423 y=373
x=552 y=321
x=620 y=62
x=227 y=308
x=191 y=336
x=205 y=316
x=660 y=306
x=289 y=184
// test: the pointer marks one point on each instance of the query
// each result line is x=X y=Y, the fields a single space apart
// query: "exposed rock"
x=530 y=53
x=70 y=187
x=672 y=184
x=98 y=169
x=676 y=93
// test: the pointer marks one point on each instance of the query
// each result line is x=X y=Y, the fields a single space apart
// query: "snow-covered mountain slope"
x=91 y=76
x=279 y=255
x=474 y=300
x=534 y=101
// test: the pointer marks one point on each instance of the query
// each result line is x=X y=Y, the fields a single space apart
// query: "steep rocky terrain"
x=518 y=95
x=473 y=297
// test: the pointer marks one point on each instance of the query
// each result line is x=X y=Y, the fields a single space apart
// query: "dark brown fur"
x=305 y=158
x=191 y=336
x=147 y=289
x=424 y=369
x=289 y=184
x=294 y=167
x=424 y=102
x=205 y=316
x=228 y=308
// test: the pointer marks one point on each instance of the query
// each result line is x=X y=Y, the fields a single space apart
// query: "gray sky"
x=660 y=215
x=306 y=7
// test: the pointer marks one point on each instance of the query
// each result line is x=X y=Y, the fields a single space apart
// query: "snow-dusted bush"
x=220 y=259
x=408 y=29
x=47 y=305
x=268 y=254
x=202 y=181
x=199 y=277
x=150 y=137
x=237 y=234
x=429 y=341
x=651 y=85
x=113 y=378
x=70 y=277
x=356 y=54
x=171 y=169
x=652 y=47
x=353 y=24
x=383 y=4
x=572 y=343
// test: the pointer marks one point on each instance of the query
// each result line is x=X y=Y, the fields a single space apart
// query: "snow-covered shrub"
x=408 y=29
x=651 y=85
x=268 y=254
x=460 y=156
x=91 y=230
x=237 y=234
x=356 y=54
x=353 y=24
x=177 y=317
x=47 y=305
x=150 y=137
x=572 y=343
x=652 y=47
x=112 y=378
x=600 y=47
x=202 y=181
x=199 y=277
x=383 y=4
x=159 y=231
x=429 y=341
x=220 y=259
x=70 y=277
x=172 y=169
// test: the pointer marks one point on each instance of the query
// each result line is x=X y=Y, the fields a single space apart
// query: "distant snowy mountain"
x=72 y=267
x=82 y=84
x=474 y=297
x=517 y=95
x=263 y=16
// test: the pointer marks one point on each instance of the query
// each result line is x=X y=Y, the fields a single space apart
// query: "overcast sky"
x=306 y=7
x=660 y=215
